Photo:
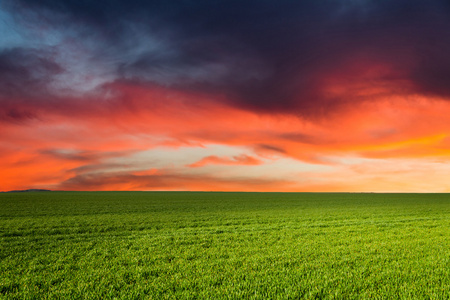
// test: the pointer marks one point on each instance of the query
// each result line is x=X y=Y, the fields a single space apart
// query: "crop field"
x=194 y=245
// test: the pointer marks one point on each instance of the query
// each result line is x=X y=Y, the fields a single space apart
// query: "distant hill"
x=29 y=190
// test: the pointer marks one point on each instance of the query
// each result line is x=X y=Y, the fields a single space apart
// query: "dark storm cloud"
x=24 y=74
x=271 y=56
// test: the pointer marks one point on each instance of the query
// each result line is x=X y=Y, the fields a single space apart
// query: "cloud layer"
x=89 y=90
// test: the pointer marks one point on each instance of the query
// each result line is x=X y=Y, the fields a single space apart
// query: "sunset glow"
x=342 y=96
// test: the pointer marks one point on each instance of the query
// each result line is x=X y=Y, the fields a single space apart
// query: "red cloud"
x=87 y=142
x=235 y=160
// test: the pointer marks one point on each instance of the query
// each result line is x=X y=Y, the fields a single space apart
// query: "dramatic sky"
x=248 y=95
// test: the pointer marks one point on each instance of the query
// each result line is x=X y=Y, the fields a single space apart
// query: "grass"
x=186 y=245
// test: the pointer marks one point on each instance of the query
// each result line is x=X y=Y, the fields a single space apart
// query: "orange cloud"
x=235 y=160
x=83 y=147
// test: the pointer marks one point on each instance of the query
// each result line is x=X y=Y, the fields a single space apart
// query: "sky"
x=211 y=95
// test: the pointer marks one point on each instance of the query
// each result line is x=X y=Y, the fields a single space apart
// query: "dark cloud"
x=24 y=77
x=166 y=180
x=270 y=148
x=15 y=115
x=270 y=56
x=26 y=72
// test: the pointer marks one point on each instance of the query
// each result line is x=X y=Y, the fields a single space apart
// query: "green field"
x=193 y=245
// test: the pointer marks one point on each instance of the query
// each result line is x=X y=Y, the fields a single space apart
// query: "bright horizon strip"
x=150 y=101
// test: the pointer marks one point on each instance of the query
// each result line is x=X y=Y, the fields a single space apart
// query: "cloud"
x=269 y=148
x=24 y=77
x=83 y=84
x=25 y=72
x=168 y=180
x=70 y=154
x=235 y=160
x=273 y=57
